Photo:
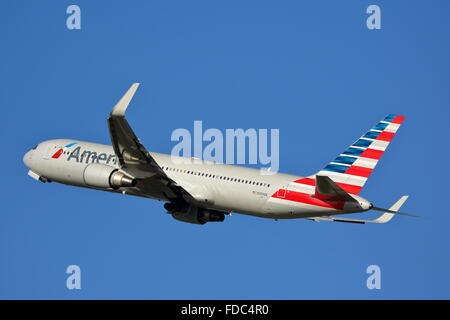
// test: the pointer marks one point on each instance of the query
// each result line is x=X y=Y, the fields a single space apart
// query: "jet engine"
x=104 y=176
x=192 y=214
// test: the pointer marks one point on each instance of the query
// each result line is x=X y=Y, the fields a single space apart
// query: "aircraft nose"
x=27 y=158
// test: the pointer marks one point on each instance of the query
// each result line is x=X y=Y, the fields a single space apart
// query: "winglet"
x=122 y=105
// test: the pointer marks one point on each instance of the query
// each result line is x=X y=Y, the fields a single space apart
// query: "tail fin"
x=351 y=169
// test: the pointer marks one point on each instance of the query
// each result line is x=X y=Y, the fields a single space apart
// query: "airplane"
x=198 y=192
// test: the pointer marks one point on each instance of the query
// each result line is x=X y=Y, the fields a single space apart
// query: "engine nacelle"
x=193 y=214
x=104 y=176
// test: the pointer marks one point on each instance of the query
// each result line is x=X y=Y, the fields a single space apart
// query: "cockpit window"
x=34 y=147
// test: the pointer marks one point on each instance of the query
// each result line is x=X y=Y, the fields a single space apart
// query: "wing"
x=131 y=154
x=133 y=157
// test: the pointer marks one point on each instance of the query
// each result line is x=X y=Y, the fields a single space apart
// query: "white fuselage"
x=223 y=187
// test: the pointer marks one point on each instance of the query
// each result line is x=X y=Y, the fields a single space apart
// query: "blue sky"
x=309 y=68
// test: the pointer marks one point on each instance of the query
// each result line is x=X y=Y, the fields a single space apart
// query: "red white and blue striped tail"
x=351 y=169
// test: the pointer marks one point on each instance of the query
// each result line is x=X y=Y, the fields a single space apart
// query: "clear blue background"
x=310 y=68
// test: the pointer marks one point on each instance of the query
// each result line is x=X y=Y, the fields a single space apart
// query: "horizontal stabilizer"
x=390 y=211
x=385 y=217
x=328 y=189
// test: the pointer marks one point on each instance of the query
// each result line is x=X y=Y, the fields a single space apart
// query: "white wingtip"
x=121 y=106
x=386 y=217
